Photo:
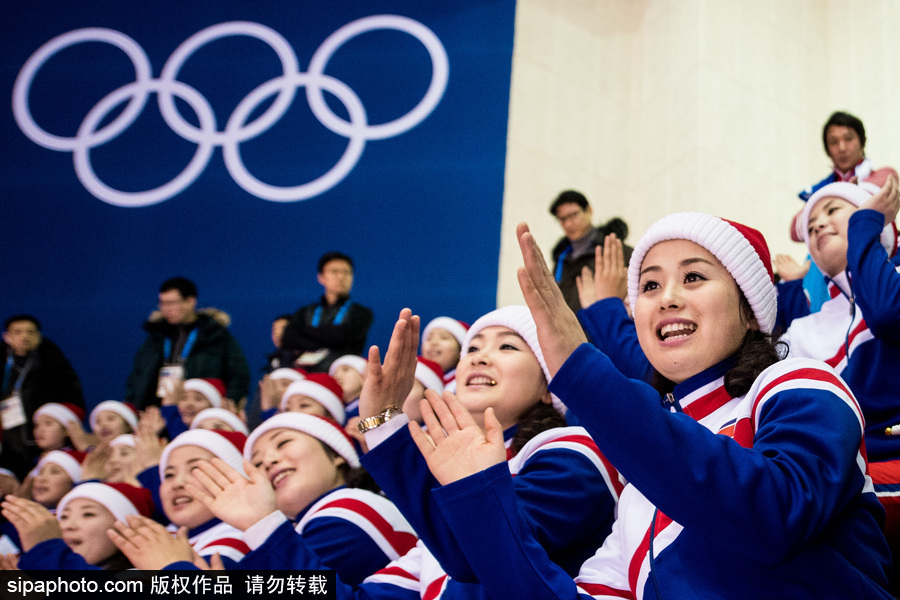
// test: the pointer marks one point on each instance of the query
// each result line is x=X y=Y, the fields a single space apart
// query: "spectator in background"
x=184 y=343
x=319 y=333
x=36 y=372
x=576 y=250
x=844 y=139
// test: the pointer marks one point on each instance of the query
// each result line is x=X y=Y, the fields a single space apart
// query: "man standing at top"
x=36 y=372
x=576 y=250
x=184 y=343
x=319 y=333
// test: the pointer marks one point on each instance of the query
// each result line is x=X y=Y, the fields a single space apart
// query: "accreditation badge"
x=170 y=376
x=12 y=412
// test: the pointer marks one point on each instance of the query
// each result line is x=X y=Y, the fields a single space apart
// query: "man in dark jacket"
x=319 y=333
x=183 y=343
x=576 y=250
x=36 y=372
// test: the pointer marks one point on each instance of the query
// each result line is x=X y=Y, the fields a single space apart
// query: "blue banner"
x=234 y=143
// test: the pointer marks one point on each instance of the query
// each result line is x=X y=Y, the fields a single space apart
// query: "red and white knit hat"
x=64 y=413
x=323 y=389
x=223 y=415
x=519 y=319
x=457 y=329
x=324 y=430
x=69 y=460
x=855 y=195
x=226 y=445
x=120 y=499
x=742 y=251
x=288 y=373
x=430 y=374
x=120 y=408
x=351 y=360
x=212 y=389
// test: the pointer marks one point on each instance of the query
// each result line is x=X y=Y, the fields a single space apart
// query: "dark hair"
x=354 y=477
x=569 y=197
x=756 y=353
x=535 y=420
x=185 y=287
x=616 y=226
x=330 y=256
x=22 y=317
x=843 y=119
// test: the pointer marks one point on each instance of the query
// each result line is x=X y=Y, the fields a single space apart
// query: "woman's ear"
x=546 y=398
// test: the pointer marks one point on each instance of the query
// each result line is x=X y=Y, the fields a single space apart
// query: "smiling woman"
x=749 y=475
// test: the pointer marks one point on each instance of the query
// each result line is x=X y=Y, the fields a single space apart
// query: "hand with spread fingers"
x=788 y=268
x=389 y=384
x=33 y=522
x=610 y=276
x=230 y=496
x=559 y=332
x=150 y=546
x=454 y=446
x=886 y=200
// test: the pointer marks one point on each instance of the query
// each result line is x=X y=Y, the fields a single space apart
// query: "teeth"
x=280 y=476
x=677 y=329
x=481 y=380
x=181 y=500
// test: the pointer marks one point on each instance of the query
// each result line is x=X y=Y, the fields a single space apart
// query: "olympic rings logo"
x=207 y=136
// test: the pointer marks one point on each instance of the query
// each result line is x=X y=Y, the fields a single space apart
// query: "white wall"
x=655 y=106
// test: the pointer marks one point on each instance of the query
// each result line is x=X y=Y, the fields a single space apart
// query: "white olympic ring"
x=206 y=134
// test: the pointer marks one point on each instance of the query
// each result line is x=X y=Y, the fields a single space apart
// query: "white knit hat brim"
x=120 y=408
x=452 y=326
x=66 y=461
x=320 y=394
x=358 y=363
x=206 y=389
x=723 y=241
x=321 y=429
x=223 y=415
x=57 y=412
x=112 y=499
x=285 y=373
x=208 y=440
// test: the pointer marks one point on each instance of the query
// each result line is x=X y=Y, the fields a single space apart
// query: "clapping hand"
x=454 y=445
x=230 y=496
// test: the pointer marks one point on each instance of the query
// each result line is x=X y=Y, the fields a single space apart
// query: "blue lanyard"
x=8 y=371
x=167 y=346
x=338 y=318
x=562 y=259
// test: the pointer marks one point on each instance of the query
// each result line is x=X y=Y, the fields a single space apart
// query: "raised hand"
x=788 y=268
x=230 y=496
x=148 y=447
x=148 y=545
x=886 y=201
x=34 y=523
x=151 y=422
x=94 y=465
x=454 y=445
x=81 y=439
x=389 y=384
x=559 y=332
x=9 y=562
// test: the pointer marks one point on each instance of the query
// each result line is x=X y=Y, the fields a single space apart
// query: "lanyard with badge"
x=12 y=412
x=172 y=371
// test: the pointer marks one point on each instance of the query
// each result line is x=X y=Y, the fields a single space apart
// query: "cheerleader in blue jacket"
x=752 y=483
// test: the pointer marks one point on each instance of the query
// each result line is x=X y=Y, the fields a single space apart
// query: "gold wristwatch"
x=378 y=420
